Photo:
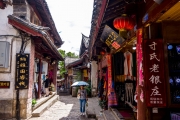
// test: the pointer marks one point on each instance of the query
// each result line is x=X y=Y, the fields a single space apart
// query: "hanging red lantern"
x=123 y=23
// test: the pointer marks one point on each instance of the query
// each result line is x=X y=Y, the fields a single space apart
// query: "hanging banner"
x=111 y=38
x=154 y=73
x=108 y=57
x=22 y=71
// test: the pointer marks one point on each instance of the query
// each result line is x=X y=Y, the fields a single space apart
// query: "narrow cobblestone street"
x=67 y=108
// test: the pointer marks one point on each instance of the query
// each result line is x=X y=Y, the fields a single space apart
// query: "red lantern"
x=123 y=23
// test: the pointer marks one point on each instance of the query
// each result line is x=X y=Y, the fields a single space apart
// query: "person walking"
x=82 y=93
x=46 y=82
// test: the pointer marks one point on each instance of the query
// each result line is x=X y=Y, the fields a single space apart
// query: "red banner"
x=154 y=73
x=108 y=57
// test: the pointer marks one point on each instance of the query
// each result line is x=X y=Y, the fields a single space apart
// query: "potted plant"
x=103 y=103
x=33 y=102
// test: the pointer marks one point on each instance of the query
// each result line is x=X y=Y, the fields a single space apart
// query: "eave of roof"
x=77 y=62
x=34 y=30
x=97 y=17
x=82 y=46
x=44 y=12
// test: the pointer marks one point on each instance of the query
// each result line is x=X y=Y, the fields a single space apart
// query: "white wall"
x=8 y=74
x=94 y=69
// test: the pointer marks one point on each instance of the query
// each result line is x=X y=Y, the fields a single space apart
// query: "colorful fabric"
x=104 y=84
x=109 y=73
x=112 y=100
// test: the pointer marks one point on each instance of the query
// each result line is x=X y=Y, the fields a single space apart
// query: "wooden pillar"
x=55 y=76
x=39 y=78
x=141 y=101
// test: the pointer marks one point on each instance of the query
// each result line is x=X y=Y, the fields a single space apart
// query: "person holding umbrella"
x=82 y=93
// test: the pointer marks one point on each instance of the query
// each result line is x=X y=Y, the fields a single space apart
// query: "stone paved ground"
x=67 y=108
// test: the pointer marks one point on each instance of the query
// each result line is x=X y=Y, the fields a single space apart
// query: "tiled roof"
x=39 y=30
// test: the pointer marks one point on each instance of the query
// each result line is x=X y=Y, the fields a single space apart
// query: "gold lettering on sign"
x=22 y=65
x=22 y=77
x=22 y=59
x=22 y=83
x=22 y=71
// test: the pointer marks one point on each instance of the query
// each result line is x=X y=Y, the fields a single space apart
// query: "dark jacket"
x=46 y=82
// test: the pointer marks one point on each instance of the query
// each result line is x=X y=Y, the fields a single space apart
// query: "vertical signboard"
x=154 y=73
x=22 y=71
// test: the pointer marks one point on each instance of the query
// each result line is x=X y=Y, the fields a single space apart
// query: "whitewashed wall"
x=94 y=69
x=8 y=74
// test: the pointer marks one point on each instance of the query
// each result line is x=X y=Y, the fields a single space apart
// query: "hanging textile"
x=119 y=63
x=112 y=99
x=134 y=64
x=128 y=63
x=129 y=91
x=85 y=74
x=109 y=73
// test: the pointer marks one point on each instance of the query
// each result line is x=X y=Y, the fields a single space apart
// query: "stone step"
x=117 y=114
x=90 y=114
x=108 y=115
x=38 y=111
x=43 y=100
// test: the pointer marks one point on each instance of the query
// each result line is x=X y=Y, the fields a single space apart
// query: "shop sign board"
x=22 y=71
x=111 y=38
x=154 y=73
x=4 y=84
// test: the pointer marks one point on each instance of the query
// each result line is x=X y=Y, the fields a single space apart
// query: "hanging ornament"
x=123 y=24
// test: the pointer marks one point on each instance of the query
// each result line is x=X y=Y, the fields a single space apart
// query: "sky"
x=71 y=17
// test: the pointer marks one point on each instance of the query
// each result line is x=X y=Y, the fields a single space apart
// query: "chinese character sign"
x=4 y=84
x=154 y=73
x=22 y=71
x=111 y=38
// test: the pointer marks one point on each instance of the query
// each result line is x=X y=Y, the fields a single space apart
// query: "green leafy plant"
x=102 y=103
x=88 y=88
x=62 y=63
x=33 y=102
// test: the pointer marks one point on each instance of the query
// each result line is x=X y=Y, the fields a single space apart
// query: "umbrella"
x=79 y=83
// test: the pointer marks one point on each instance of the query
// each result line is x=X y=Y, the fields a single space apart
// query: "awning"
x=34 y=30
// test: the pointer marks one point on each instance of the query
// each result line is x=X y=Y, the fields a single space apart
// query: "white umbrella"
x=79 y=83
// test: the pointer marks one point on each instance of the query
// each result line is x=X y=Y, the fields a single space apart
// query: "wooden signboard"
x=4 y=84
x=22 y=71
x=154 y=73
x=111 y=38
